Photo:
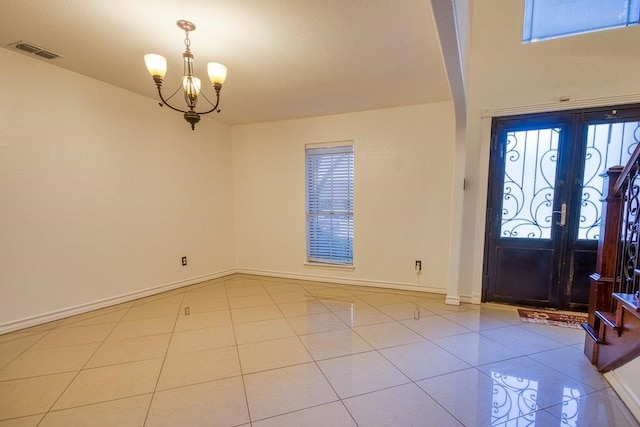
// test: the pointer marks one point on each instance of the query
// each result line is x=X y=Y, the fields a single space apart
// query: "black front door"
x=543 y=213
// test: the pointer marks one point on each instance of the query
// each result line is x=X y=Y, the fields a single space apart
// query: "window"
x=329 y=204
x=546 y=19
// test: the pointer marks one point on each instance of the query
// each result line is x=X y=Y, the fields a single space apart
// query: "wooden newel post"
x=602 y=280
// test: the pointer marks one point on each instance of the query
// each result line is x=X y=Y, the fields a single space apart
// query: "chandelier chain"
x=187 y=41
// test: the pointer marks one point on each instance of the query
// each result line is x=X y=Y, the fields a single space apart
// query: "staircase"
x=617 y=340
x=613 y=326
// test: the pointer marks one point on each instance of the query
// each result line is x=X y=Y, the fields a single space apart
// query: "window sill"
x=330 y=266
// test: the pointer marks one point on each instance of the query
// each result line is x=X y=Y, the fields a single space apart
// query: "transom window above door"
x=547 y=19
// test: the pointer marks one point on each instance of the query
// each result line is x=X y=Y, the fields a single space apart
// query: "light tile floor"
x=247 y=350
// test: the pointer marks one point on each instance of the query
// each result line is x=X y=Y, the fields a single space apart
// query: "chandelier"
x=157 y=66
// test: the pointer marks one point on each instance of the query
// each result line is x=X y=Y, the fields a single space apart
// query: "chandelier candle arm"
x=164 y=102
x=191 y=85
x=217 y=88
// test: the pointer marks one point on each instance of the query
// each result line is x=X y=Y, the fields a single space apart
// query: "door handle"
x=563 y=215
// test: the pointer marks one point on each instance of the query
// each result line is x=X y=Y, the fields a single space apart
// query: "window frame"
x=555 y=13
x=329 y=191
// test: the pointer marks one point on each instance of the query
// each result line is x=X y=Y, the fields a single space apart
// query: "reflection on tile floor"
x=248 y=350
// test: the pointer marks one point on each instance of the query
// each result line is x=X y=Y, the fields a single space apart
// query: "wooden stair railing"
x=613 y=325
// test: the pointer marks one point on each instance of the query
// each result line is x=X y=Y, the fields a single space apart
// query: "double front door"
x=543 y=215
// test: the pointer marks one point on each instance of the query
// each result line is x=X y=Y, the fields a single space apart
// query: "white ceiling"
x=286 y=58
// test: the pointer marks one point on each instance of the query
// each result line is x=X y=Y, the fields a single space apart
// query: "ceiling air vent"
x=35 y=50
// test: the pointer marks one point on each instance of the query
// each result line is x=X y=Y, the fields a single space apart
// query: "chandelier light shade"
x=191 y=87
x=156 y=64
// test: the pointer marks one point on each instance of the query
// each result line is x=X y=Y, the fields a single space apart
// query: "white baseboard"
x=356 y=282
x=452 y=300
x=624 y=392
x=83 y=308
x=473 y=298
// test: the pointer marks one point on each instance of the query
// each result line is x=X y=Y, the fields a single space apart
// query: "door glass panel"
x=530 y=161
x=608 y=144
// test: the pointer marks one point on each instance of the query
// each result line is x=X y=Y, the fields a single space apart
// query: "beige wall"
x=508 y=77
x=402 y=212
x=626 y=382
x=102 y=192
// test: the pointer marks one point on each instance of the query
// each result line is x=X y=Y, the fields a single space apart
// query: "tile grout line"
x=166 y=352
x=298 y=364
x=315 y=362
x=82 y=368
x=377 y=351
x=297 y=411
x=411 y=381
x=301 y=343
x=235 y=339
x=26 y=349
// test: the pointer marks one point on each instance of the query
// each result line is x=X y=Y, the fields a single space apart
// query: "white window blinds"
x=330 y=204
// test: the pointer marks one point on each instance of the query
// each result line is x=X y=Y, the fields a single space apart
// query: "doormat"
x=552 y=318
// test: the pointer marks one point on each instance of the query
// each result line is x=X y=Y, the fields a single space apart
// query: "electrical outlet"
x=184 y=261
x=418 y=266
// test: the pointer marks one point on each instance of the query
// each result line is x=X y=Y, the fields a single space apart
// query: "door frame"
x=542 y=254
x=577 y=121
